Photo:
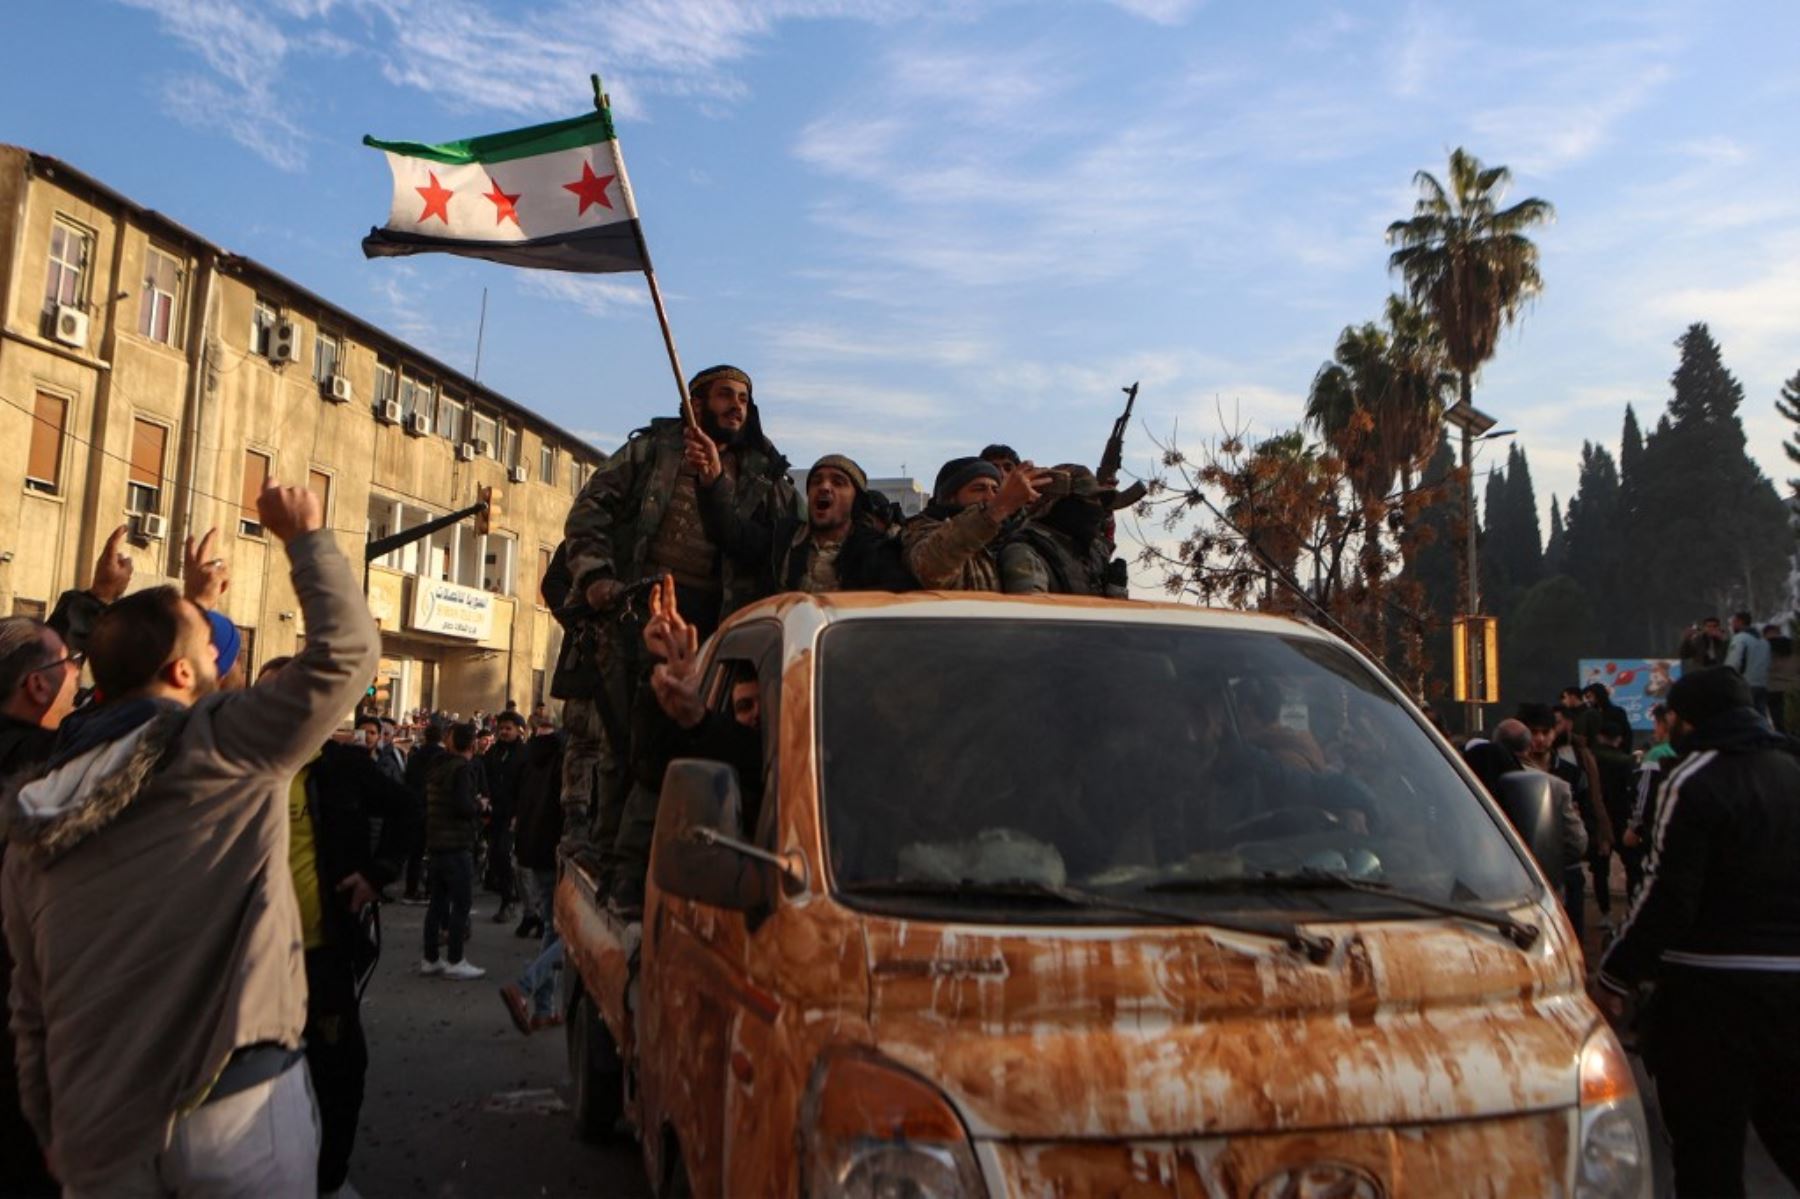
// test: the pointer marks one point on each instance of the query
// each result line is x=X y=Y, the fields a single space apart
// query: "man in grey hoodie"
x=160 y=992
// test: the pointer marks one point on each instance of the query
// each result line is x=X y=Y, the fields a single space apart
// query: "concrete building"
x=149 y=377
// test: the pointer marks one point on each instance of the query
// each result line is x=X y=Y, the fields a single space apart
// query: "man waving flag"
x=551 y=197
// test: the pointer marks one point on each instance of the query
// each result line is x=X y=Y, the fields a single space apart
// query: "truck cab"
x=1082 y=897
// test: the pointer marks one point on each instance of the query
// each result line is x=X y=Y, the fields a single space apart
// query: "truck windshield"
x=1197 y=765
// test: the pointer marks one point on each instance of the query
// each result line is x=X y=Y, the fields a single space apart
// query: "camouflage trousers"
x=595 y=780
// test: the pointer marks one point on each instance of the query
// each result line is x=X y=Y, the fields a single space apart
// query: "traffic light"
x=489 y=516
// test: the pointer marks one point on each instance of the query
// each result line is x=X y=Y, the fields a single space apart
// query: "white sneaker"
x=463 y=971
x=428 y=968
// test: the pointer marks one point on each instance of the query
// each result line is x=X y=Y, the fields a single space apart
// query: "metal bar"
x=393 y=541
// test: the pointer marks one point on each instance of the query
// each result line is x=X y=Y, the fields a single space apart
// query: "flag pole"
x=602 y=103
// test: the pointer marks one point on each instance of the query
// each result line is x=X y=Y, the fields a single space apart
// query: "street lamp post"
x=1473 y=423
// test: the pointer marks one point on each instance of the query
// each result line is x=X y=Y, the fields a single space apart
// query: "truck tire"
x=596 y=1072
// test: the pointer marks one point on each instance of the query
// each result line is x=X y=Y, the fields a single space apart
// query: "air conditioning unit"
x=338 y=389
x=418 y=424
x=71 y=327
x=284 y=342
x=466 y=451
x=515 y=474
x=388 y=413
x=152 y=526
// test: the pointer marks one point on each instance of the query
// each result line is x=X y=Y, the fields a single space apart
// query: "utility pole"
x=1473 y=423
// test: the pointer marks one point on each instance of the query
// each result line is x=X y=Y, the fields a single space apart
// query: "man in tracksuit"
x=1716 y=926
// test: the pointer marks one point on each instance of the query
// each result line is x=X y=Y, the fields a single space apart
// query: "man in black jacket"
x=1717 y=927
x=418 y=769
x=836 y=547
x=501 y=766
x=332 y=805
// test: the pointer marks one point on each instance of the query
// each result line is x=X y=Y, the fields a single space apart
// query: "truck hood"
x=1132 y=1033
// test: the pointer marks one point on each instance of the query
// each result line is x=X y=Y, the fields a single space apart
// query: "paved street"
x=459 y=1104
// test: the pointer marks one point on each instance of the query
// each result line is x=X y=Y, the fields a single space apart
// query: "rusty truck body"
x=1052 y=896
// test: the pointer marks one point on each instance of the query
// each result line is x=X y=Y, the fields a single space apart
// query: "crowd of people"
x=1704 y=966
x=186 y=952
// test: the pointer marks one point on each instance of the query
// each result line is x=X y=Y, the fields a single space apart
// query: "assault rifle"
x=1113 y=459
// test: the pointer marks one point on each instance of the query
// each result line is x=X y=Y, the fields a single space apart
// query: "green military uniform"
x=1046 y=558
x=954 y=552
x=639 y=517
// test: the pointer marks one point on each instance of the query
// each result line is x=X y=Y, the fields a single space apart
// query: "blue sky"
x=926 y=226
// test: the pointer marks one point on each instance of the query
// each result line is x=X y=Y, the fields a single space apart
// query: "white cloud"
x=1160 y=12
x=594 y=296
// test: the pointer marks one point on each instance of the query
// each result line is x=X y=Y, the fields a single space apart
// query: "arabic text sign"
x=452 y=611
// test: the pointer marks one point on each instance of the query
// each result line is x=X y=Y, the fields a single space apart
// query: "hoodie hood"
x=1737 y=731
x=92 y=779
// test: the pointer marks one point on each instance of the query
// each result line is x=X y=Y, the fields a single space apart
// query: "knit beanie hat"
x=857 y=476
x=1704 y=694
x=957 y=474
x=226 y=639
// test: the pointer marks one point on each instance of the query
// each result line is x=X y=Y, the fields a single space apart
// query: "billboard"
x=1637 y=684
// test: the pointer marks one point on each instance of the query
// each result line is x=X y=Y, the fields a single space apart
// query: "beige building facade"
x=152 y=379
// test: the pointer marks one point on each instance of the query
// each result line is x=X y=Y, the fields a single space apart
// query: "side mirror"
x=1529 y=802
x=691 y=855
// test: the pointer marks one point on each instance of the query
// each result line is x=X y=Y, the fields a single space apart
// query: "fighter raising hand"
x=668 y=636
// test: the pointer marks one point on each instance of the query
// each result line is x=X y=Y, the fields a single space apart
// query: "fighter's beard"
x=723 y=437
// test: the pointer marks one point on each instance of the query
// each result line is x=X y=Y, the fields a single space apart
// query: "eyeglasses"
x=74 y=659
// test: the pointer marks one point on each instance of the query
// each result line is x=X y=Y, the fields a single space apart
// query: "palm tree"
x=1466 y=261
x=1412 y=415
x=1347 y=394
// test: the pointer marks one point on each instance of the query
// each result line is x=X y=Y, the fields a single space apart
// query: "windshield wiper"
x=1316 y=948
x=1518 y=932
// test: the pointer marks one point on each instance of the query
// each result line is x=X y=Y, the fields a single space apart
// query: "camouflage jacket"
x=954 y=553
x=1042 y=561
x=614 y=520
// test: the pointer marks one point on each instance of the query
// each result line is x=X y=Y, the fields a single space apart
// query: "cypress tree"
x=1556 y=547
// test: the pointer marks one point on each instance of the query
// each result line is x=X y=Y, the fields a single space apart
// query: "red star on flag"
x=437 y=200
x=505 y=207
x=590 y=188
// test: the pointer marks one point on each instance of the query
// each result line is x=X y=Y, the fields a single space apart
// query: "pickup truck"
x=1063 y=896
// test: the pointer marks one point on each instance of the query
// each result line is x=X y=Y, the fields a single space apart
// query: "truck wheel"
x=597 y=1073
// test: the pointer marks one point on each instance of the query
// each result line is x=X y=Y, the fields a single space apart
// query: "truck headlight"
x=1614 y=1161
x=873 y=1130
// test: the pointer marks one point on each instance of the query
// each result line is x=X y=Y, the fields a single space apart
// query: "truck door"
x=696 y=991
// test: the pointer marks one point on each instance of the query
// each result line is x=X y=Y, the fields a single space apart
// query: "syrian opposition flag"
x=551 y=197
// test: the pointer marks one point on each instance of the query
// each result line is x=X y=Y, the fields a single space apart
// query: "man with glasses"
x=40 y=683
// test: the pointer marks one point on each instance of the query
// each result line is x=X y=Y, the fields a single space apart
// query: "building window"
x=449 y=417
x=509 y=445
x=537 y=688
x=159 y=304
x=262 y=326
x=415 y=395
x=70 y=251
x=43 y=469
x=28 y=607
x=326 y=352
x=547 y=463
x=143 y=483
x=497 y=565
x=319 y=483
x=384 y=381
x=485 y=430
x=256 y=473
x=545 y=554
